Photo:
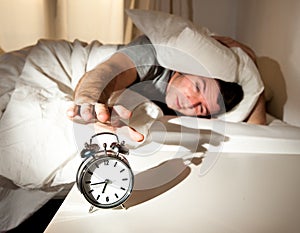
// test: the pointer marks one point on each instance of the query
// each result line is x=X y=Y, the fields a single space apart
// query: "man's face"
x=193 y=95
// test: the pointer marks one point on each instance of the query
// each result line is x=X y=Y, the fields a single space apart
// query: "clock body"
x=105 y=179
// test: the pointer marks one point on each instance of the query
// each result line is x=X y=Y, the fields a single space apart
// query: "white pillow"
x=187 y=48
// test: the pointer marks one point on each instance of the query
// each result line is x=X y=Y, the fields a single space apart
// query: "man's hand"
x=105 y=119
x=87 y=113
x=94 y=90
x=229 y=42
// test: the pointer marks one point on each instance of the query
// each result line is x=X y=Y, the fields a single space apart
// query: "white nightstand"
x=241 y=193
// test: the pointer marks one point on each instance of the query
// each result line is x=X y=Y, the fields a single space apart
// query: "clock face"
x=106 y=182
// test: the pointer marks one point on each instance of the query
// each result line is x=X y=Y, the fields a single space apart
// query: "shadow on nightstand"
x=158 y=180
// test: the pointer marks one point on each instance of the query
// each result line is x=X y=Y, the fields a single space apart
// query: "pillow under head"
x=184 y=47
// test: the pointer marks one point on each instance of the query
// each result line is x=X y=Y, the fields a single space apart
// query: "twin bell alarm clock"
x=105 y=177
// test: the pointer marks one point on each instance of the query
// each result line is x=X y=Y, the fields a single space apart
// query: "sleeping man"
x=135 y=66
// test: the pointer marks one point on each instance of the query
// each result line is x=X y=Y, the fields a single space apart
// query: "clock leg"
x=91 y=209
x=123 y=206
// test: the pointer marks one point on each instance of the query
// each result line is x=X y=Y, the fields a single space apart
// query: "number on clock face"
x=107 y=182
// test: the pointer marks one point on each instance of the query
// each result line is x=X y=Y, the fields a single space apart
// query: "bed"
x=40 y=147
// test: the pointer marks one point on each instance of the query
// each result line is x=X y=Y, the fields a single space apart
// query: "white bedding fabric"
x=39 y=146
x=36 y=138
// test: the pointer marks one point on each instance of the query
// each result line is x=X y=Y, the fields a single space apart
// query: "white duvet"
x=39 y=146
x=36 y=138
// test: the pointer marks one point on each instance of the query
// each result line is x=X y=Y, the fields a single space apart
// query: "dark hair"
x=230 y=95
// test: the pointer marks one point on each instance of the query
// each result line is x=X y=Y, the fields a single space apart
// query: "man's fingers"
x=135 y=135
x=72 y=111
x=102 y=112
x=87 y=112
x=120 y=112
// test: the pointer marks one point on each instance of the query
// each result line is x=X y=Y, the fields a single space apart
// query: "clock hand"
x=99 y=183
x=107 y=181
x=104 y=187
